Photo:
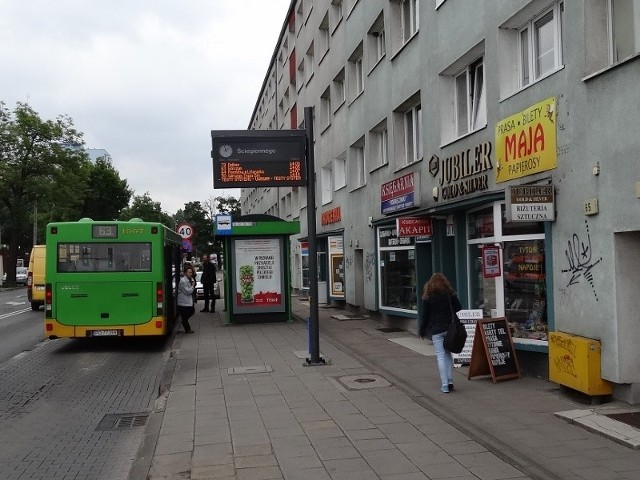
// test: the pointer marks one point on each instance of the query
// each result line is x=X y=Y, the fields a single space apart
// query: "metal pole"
x=35 y=224
x=314 y=330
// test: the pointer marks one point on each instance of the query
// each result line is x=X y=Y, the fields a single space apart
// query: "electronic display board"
x=258 y=158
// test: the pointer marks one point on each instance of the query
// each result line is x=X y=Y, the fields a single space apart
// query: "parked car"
x=199 y=288
x=21 y=275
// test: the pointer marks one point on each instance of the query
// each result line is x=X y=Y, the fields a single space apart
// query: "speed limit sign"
x=185 y=231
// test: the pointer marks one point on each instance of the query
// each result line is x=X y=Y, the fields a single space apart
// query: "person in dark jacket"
x=208 y=281
x=439 y=301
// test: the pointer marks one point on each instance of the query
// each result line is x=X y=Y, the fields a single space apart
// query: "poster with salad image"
x=258 y=275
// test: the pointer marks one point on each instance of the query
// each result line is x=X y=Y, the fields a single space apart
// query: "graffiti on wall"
x=369 y=266
x=580 y=260
x=564 y=354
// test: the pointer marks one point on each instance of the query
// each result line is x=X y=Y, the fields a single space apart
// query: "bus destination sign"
x=258 y=158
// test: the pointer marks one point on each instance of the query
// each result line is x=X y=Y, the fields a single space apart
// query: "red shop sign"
x=414 y=226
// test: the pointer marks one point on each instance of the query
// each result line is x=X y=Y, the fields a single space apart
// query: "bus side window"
x=66 y=267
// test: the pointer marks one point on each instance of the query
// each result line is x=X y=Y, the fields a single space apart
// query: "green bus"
x=110 y=278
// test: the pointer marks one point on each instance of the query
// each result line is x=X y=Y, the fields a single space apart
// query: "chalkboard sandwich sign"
x=493 y=351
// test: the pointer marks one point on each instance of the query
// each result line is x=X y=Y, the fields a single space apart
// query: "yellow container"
x=575 y=363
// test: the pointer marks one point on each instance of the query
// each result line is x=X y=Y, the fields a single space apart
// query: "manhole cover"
x=390 y=329
x=122 y=421
x=358 y=382
x=632 y=418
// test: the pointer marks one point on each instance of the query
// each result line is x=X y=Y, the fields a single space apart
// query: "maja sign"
x=258 y=158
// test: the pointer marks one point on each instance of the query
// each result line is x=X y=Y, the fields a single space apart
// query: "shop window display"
x=397 y=271
x=524 y=289
x=519 y=293
x=398 y=280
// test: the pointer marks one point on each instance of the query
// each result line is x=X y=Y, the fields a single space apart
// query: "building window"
x=376 y=42
x=300 y=15
x=540 y=40
x=336 y=13
x=340 y=172
x=379 y=145
x=463 y=103
x=339 y=93
x=309 y=63
x=407 y=132
x=624 y=21
x=470 y=99
x=357 y=164
x=323 y=37
x=356 y=74
x=326 y=184
x=411 y=135
x=408 y=18
x=301 y=75
x=325 y=109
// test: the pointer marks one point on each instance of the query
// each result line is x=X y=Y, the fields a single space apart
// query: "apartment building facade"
x=496 y=142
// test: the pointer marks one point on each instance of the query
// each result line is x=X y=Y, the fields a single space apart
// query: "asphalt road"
x=71 y=408
x=20 y=327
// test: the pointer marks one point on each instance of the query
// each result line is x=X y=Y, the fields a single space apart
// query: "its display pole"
x=314 y=329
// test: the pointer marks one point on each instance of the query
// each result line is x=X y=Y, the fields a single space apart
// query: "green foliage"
x=145 y=208
x=42 y=167
x=107 y=194
x=229 y=205
x=196 y=216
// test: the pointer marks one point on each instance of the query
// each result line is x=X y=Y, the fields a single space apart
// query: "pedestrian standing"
x=439 y=304
x=208 y=281
x=186 y=287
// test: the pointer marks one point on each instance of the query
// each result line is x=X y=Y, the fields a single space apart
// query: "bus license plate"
x=105 y=333
x=40 y=288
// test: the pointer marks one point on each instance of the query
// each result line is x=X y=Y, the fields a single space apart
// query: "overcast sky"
x=147 y=80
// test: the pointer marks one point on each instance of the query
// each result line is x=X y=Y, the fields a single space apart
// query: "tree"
x=222 y=205
x=107 y=194
x=145 y=208
x=229 y=205
x=41 y=164
x=197 y=217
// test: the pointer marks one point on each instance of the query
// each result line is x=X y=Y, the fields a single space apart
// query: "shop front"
x=502 y=233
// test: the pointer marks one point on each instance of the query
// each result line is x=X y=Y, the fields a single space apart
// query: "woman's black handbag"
x=456 y=335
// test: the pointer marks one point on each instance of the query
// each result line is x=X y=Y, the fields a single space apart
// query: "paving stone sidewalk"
x=243 y=404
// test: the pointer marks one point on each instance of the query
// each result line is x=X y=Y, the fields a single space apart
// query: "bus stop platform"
x=241 y=402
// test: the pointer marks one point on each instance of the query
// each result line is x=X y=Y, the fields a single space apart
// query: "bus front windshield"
x=104 y=257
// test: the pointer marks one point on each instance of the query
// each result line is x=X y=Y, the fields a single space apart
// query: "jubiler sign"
x=530 y=203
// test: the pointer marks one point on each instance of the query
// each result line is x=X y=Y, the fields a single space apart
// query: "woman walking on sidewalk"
x=185 y=297
x=439 y=304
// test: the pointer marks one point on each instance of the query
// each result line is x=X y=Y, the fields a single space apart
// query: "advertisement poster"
x=491 y=261
x=258 y=277
x=468 y=318
x=336 y=267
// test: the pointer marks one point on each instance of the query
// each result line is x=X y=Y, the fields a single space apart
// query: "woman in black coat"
x=439 y=302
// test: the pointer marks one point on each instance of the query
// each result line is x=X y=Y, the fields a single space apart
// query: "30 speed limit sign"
x=185 y=231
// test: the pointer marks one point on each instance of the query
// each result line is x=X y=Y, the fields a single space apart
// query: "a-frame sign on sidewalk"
x=493 y=351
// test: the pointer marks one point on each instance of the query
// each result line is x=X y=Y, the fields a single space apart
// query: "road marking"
x=16 y=303
x=17 y=312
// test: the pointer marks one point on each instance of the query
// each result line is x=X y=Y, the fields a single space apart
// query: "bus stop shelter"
x=257 y=264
